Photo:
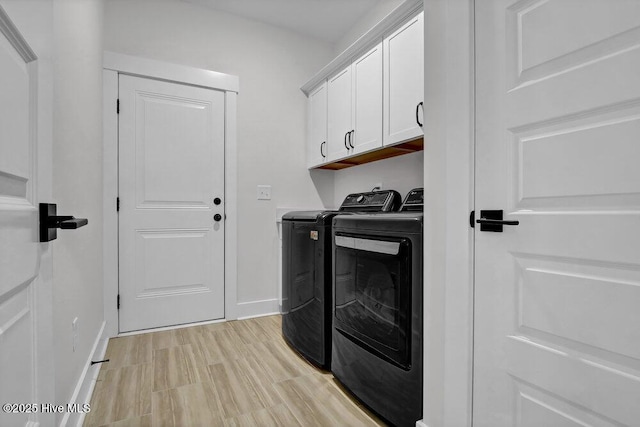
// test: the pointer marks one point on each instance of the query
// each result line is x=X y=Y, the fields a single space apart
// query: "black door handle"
x=417 y=111
x=70 y=222
x=350 y=135
x=491 y=220
x=345 y=141
x=497 y=221
x=50 y=221
x=321 y=153
x=217 y=217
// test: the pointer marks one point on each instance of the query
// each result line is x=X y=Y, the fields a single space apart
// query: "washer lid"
x=312 y=216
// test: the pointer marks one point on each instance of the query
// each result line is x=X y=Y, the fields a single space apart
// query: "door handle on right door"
x=217 y=217
x=491 y=220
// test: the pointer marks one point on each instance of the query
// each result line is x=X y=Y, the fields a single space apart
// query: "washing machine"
x=307 y=272
x=378 y=309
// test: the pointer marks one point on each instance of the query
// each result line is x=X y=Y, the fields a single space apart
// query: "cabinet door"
x=404 y=82
x=367 y=101
x=317 y=127
x=339 y=112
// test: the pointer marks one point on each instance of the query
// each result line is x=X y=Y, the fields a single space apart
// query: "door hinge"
x=118 y=106
x=472 y=219
x=117 y=204
x=118 y=302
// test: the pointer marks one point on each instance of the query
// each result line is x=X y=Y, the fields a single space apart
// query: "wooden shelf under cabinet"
x=373 y=156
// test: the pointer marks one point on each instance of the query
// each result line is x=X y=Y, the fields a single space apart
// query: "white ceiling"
x=326 y=20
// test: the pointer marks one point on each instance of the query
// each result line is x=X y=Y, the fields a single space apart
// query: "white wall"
x=34 y=19
x=77 y=184
x=272 y=64
x=401 y=173
x=373 y=16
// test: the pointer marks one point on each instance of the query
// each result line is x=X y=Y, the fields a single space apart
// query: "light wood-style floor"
x=238 y=373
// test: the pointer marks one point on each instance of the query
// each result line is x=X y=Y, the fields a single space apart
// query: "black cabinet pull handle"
x=217 y=217
x=350 y=139
x=417 y=111
x=321 y=153
x=345 y=141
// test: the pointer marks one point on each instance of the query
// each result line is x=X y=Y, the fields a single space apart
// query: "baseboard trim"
x=265 y=307
x=87 y=381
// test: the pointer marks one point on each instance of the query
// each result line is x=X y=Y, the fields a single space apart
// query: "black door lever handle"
x=496 y=221
x=67 y=222
x=492 y=221
x=50 y=221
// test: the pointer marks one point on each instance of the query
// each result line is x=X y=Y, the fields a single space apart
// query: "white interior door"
x=171 y=171
x=557 y=335
x=25 y=266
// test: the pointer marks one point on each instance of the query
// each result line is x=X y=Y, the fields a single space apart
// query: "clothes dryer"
x=378 y=309
x=307 y=273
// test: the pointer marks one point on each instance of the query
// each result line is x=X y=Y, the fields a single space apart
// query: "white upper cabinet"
x=355 y=106
x=339 y=114
x=404 y=82
x=360 y=106
x=367 y=102
x=317 y=127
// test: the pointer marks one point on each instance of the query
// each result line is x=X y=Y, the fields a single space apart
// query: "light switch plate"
x=264 y=192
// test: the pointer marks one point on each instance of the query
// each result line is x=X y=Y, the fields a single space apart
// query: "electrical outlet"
x=264 y=192
x=74 y=332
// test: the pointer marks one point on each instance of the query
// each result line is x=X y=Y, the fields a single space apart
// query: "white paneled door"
x=557 y=297
x=25 y=267
x=171 y=185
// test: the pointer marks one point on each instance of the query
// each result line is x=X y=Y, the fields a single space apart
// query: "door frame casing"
x=449 y=130
x=114 y=64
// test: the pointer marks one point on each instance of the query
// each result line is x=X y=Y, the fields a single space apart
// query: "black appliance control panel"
x=414 y=201
x=375 y=201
